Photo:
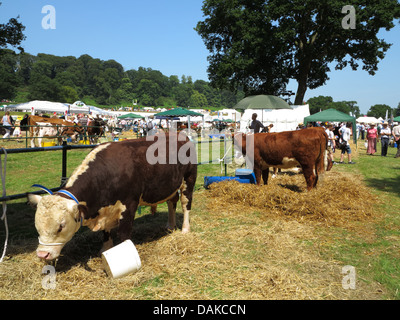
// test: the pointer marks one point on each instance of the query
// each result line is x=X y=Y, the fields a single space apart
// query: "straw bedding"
x=247 y=242
x=338 y=200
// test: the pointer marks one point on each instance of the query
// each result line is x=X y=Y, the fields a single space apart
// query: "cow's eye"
x=62 y=226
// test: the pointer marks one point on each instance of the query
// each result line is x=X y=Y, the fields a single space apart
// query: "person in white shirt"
x=331 y=141
x=385 y=136
x=396 y=136
x=346 y=133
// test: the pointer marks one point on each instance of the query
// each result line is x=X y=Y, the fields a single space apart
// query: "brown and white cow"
x=113 y=180
x=306 y=148
x=40 y=127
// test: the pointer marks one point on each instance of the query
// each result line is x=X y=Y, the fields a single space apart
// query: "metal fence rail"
x=59 y=128
x=65 y=147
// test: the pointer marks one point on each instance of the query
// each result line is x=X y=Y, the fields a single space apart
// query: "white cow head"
x=57 y=219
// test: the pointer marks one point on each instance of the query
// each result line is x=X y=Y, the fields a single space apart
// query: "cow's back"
x=121 y=171
x=299 y=144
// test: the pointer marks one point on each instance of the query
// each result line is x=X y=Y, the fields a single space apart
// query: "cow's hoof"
x=185 y=230
x=106 y=246
x=170 y=229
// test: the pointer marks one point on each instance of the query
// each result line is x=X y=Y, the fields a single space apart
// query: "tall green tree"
x=379 y=110
x=259 y=45
x=11 y=34
x=9 y=80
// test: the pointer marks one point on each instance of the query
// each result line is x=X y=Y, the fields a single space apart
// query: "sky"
x=159 y=34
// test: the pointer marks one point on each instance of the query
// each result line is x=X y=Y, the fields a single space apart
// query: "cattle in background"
x=41 y=127
x=306 y=148
x=96 y=129
x=109 y=185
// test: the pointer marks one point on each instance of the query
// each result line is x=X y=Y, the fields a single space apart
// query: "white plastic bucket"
x=121 y=260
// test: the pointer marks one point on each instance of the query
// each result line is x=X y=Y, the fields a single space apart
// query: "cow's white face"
x=57 y=220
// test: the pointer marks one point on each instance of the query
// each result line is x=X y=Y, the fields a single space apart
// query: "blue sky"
x=159 y=34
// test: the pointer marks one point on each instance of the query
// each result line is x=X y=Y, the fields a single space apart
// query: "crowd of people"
x=369 y=133
x=372 y=133
x=339 y=136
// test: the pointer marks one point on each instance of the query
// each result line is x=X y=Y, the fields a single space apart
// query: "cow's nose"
x=43 y=255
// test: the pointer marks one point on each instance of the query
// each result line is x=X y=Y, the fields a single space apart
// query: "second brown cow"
x=306 y=148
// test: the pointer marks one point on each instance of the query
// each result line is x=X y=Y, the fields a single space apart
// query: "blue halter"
x=67 y=193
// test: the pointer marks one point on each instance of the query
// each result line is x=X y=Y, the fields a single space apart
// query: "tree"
x=319 y=103
x=11 y=34
x=198 y=100
x=9 y=80
x=260 y=45
x=379 y=110
x=396 y=112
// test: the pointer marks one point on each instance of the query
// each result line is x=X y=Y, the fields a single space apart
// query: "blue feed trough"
x=246 y=174
x=241 y=176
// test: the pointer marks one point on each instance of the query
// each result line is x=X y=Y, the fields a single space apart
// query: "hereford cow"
x=95 y=130
x=106 y=189
x=40 y=127
x=306 y=148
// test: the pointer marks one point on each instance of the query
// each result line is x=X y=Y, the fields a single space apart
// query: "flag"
x=386 y=117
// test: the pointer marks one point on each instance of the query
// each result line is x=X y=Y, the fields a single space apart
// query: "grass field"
x=235 y=250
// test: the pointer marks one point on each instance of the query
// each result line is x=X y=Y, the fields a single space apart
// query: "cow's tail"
x=323 y=160
x=328 y=163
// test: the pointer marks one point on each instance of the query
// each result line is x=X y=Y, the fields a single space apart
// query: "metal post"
x=64 y=164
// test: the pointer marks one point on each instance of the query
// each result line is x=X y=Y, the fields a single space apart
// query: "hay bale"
x=340 y=199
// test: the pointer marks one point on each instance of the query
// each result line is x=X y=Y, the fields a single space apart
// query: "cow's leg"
x=172 y=212
x=265 y=174
x=186 y=199
x=126 y=222
x=33 y=141
x=107 y=241
x=257 y=173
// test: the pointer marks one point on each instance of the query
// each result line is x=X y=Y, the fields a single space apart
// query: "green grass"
x=377 y=258
x=375 y=255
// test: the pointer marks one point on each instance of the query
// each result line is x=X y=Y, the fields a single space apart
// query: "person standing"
x=372 y=133
x=331 y=142
x=362 y=131
x=396 y=136
x=7 y=124
x=385 y=136
x=256 y=125
x=345 y=132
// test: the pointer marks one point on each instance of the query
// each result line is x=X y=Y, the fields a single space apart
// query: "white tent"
x=50 y=107
x=367 y=120
x=40 y=106
x=282 y=119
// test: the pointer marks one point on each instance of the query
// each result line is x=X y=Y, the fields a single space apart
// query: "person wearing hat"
x=385 y=136
x=372 y=133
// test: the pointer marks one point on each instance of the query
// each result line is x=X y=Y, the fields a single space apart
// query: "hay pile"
x=338 y=198
x=247 y=242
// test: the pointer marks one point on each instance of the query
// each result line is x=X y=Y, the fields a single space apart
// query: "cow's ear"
x=33 y=199
x=83 y=211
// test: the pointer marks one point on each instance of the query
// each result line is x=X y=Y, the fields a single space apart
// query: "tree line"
x=322 y=103
x=69 y=79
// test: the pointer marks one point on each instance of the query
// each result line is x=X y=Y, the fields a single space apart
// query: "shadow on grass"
x=85 y=245
x=386 y=184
